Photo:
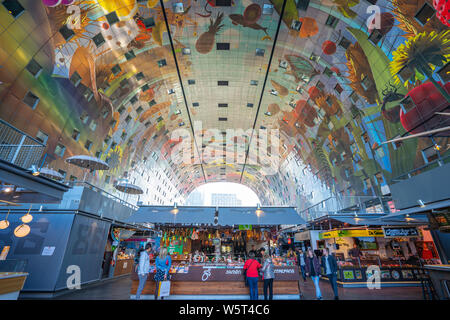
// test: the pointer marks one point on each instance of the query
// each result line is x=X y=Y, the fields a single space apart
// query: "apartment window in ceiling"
x=344 y=43
x=75 y=134
x=177 y=112
x=195 y=104
x=63 y=173
x=105 y=112
x=223 y=3
x=98 y=39
x=121 y=109
x=130 y=55
x=181 y=124
x=375 y=36
x=34 y=68
x=66 y=32
x=162 y=63
x=222 y=46
x=223 y=119
x=296 y=25
x=314 y=57
x=159 y=119
x=113 y=145
x=222 y=83
x=93 y=125
x=112 y=18
x=186 y=51
x=75 y=79
x=139 y=76
x=267 y=8
x=152 y=103
x=365 y=83
x=13 y=7
x=328 y=72
x=88 y=94
x=139 y=110
x=249 y=105
x=59 y=150
x=107 y=179
x=425 y=13
x=260 y=52
x=332 y=21
x=147 y=124
x=253 y=82
x=123 y=135
x=134 y=99
x=354 y=97
x=303 y=4
x=170 y=91
x=338 y=88
x=41 y=137
x=223 y=105
x=98 y=153
x=31 y=100
x=149 y=22
x=191 y=81
x=116 y=70
x=88 y=144
x=127 y=119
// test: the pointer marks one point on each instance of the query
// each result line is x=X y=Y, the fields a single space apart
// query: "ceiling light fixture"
x=175 y=208
x=34 y=171
x=5 y=223
x=421 y=203
x=22 y=230
x=258 y=210
x=28 y=217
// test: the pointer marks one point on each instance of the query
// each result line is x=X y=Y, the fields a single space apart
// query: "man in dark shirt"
x=355 y=252
x=253 y=250
x=330 y=267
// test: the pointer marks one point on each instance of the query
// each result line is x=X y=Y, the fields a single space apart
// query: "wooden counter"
x=440 y=276
x=124 y=266
x=10 y=284
x=204 y=280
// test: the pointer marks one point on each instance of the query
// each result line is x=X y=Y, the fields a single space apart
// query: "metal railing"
x=426 y=167
x=102 y=192
x=347 y=205
x=18 y=148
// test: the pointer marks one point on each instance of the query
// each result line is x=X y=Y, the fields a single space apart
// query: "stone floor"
x=119 y=289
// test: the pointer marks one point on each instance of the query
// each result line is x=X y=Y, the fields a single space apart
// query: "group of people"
x=163 y=263
x=309 y=263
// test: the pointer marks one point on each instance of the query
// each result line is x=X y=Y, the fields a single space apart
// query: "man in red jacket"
x=251 y=267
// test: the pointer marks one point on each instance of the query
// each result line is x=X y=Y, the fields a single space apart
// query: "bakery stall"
x=208 y=248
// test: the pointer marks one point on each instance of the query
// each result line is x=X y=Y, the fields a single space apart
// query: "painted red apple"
x=420 y=116
x=442 y=11
x=314 y=92
x=329 y=47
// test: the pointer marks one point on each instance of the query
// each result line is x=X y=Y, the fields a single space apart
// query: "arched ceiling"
x=147 y=70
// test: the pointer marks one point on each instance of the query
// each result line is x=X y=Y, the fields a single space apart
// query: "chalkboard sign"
x=397 y=232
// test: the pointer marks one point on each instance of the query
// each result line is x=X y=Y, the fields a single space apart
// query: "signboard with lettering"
x=245 y=227
x=357 y=233
x=397 y=232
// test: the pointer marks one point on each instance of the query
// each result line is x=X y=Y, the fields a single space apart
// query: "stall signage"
x=400 y=232
x=245 y=227
x=302 y=236
x=352 y=233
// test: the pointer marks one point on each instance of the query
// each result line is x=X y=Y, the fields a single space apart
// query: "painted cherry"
x=329 y=47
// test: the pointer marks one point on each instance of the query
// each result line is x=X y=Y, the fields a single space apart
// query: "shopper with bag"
x=143 y=269
x=329 y=264
x=268 y=275
x=251 y=268
x=313 y=269
x=163 y=263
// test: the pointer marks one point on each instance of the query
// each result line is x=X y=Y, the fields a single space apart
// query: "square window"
x=314 y=57
x=145 y=87
x=260 y=52
x=127 y=119
x=41 y=137
x=267 y=8
x=222 y=83
x=328 y=72
x=302 y=4
x=405 y=73
x=162 y=63
x=223 y=105
x=365 y=83
x=283 y=64
x=31 y=99
x=112 y=123
x=181 y=124
x=425 y=13
x=177 y=112
x=139 y=76
x=223 y=119
x=75 y=134
x=66 y=32
x=84 y=117
x=195 y=104
x=88 y=144
x=112 y=18
x=152 y=103
x=14 y=7
x=222 y=46
x=147 y=124
x=223 y=3
x=253 y=82
x=59 y=150
x=98 y=39
x=296 y=25
x=178 y=7
x=249 y=105
x=186 y=51
x=123 y=135
x=338 y=88
x=116 y=70
x=88 y=94
x=149 y=22
x=332 y=21
x=159 y=119
x=375 y=36
x=139 y=110
x=34 y=68
x=170 y=91
x=75 y=79
x=130 y=55
x=93 y=125
x=344 y=43
x=191 y=81
x=121 y=109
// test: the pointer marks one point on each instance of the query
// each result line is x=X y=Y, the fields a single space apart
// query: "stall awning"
x=228 y=216
x=379 y=221
x=418 y=210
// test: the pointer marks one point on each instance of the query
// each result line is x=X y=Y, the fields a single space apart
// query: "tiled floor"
x=120 y=290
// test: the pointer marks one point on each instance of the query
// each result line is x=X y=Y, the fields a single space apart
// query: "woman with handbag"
x=163 y=263
x=251 y=268
x=268 y=275
x=313 y=269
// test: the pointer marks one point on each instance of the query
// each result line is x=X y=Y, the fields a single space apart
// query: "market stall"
x=208 y=256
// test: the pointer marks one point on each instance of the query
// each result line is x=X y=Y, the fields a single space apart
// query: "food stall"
x=362 y=247
x=208 y=258
x=122 y=260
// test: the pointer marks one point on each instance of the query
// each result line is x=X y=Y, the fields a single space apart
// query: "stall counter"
x=11 y=283
x=123 y=266
x=199 y=280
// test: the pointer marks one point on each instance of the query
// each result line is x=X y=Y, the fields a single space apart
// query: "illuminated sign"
x=357 y=233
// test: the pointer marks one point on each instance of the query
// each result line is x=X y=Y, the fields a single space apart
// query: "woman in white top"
x=143 y=269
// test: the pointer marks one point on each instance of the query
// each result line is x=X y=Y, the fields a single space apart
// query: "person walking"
x=268 y=276
x=252 y=266
x=329 y=264
x=312 y=268
x=143 y=269
x=163 y=263
x=301 y=260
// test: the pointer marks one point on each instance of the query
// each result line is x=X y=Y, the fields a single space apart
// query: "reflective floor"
x=119 y=289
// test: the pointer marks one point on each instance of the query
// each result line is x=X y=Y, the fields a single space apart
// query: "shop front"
x=208 y=260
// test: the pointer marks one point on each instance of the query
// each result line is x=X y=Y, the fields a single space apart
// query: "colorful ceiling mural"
x=116 y=78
